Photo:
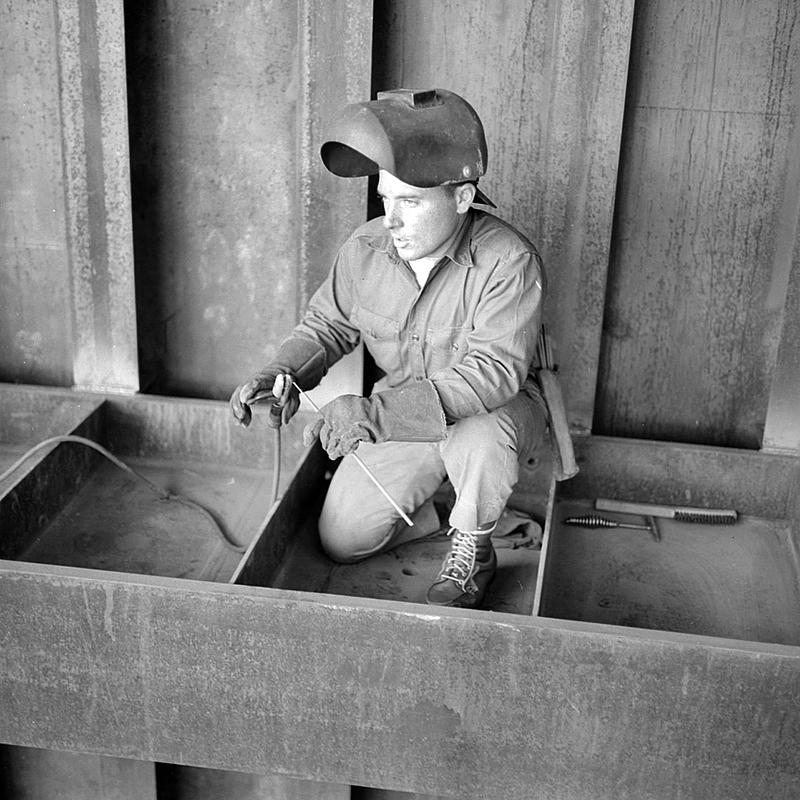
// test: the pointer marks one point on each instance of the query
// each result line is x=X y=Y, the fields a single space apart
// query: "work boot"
x=466 y=571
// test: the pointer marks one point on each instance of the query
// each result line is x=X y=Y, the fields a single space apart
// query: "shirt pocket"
x=445 y=347
x=381 y=336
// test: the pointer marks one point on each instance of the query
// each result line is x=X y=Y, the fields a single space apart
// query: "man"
x=447 y=300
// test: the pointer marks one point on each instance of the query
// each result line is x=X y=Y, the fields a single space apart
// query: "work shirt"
x=471 y=329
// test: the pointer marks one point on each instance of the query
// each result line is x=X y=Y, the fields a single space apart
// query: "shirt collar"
x=458 y=248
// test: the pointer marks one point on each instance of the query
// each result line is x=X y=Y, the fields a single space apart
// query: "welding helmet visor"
x=425 y=138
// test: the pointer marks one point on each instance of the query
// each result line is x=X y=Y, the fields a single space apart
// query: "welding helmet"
x=425 y=138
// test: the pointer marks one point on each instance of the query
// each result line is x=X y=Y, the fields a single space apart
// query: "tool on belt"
x=566 y=466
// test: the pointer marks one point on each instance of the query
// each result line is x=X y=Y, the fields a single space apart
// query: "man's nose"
x=391 y=219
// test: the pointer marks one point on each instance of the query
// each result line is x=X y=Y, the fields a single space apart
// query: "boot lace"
x=459 y=565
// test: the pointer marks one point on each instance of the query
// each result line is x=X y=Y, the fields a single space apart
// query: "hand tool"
x=708 y=516
x=360 y=463
x=566 y=467
x=595 y=521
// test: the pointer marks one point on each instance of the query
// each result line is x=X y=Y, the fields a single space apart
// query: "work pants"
x=480 y=455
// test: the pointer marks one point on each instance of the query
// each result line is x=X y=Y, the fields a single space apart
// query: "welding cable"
x=276 y=466
x=282 y=390
x=162 y=493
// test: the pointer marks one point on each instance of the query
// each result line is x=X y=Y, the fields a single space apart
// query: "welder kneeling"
x=447 y=299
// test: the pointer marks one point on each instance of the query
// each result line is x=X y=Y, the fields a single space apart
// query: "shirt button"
x=415 y=337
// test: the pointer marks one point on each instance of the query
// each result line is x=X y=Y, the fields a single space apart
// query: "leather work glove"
x=301 y=359
x=407 y=414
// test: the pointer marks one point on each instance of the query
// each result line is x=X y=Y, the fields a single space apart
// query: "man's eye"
x=409 y=203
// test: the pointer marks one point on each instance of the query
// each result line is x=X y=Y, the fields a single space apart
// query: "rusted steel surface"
x=548 y=80
x=782 y=426
x=683 y=474
x=391 y=695
x=30 y=773
x=180 y=428
x=90 y=44
x=32 y=413
x=237 y=221
x=301 y=500
x=193 y=783
x=736 y=581
x=37 y=494
x=327 y=688
x=213 y=168
x=707 y=215
x=34 y=259
x=335 y=57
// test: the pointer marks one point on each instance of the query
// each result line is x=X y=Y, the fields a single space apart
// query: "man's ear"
x=465 y=194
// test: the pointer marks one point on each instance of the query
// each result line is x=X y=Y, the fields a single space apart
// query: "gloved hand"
x=269 y=384
x=407 y=414
x=301 y=359
x=342 y=425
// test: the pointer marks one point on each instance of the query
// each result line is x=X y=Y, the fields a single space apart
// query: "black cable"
x=276 y=466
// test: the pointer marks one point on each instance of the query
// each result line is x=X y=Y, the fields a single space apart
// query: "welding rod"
x=363 y=466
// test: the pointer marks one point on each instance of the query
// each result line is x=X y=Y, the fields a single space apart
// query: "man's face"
x=420 y=220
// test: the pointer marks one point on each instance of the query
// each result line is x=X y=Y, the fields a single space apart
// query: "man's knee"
x=356 y=519
x=348 y=535
x=474 y=438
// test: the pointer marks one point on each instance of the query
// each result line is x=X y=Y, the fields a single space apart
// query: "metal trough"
x=273 y=661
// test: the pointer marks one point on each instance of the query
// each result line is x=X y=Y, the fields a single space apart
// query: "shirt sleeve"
x=327 y=318
x=502 y=343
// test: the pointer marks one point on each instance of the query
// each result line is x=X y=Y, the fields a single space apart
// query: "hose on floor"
x=162 y=493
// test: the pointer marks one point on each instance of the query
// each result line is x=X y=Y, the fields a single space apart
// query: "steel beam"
x=377 y=693
x=91 y=59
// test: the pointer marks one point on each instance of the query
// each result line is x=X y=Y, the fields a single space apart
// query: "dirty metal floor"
x=405 y=572
x=740 y=581
x=117 y=523
x=114 y=522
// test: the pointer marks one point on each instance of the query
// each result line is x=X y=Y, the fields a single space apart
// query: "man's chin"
x=409 y=253
x=406 y=252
